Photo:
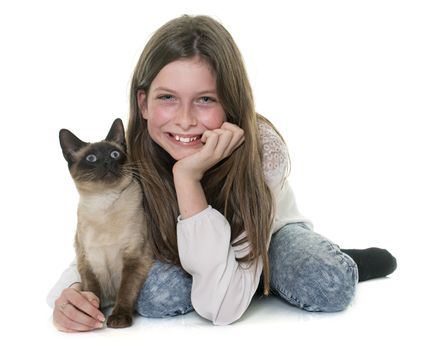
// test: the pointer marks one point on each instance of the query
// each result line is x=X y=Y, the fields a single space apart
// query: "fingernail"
x=99 y=325
x=101 y=318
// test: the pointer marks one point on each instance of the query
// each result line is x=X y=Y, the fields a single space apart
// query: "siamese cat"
x=113 y=252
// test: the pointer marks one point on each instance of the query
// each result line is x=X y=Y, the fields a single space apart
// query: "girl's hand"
x=218 y=144
x=77 y=311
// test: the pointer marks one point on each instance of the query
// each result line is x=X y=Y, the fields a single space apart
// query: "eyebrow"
x=214 y=92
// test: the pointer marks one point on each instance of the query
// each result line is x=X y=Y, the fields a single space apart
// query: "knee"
x=334 y=286
x=166 y=292
x=318 y=283
x=309 y=271
x=328 y=286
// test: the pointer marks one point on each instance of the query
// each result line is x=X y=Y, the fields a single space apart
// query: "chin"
x=180 y=154
x=177 y=152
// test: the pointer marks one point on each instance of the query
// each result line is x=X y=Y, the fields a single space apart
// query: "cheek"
x=213 y=119
x=158 y=116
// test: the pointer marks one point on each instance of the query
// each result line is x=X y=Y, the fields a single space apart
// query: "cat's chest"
x=105 y=246
x=105 y=237
x=106 y=259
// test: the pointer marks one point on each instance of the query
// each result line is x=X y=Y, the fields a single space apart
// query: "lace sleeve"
x=275 y=155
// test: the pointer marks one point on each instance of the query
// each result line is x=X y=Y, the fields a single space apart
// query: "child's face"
x=182 y=103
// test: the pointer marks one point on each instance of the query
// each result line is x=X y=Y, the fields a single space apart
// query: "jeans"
x=306 y=270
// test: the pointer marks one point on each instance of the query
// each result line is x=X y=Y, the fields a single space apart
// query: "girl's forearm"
x=190 y=196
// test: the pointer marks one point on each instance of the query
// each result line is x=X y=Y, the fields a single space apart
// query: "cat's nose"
x=107 y=161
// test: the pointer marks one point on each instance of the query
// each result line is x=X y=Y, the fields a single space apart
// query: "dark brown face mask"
x=94 y=162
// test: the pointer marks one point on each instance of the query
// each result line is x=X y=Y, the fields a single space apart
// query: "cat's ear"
x=70 y=145
x=116 y=133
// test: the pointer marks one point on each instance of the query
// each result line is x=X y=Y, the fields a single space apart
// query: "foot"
x=372 y=262
x=119 y=320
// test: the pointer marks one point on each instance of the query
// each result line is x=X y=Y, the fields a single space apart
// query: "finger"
x=237 y=140
x=95 y=303
x=224 y=141
x=236 y=130
x=65 y=324
x=217 y=143
x=206 y=135
x=92 y=298
x=78 y=320
x=236 y=135
x=228 y=140
x=82 y=303
x=231 y=127
x=210 y=139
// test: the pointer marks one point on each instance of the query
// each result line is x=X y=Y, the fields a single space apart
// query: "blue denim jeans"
x=306 y=270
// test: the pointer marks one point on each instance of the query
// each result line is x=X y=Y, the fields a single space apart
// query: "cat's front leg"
x=133 y=277
x=89 y=282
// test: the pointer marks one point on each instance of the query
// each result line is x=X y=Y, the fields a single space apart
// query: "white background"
x=344 y=82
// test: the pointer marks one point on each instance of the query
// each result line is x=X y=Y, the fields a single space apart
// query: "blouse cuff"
x=196 y=216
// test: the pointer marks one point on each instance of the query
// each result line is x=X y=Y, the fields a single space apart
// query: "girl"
x=208 y=161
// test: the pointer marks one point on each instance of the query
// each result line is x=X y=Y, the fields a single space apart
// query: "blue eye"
x=115 y=154
x=91 y=158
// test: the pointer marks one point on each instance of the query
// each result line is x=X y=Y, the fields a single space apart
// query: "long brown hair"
x=236 y=186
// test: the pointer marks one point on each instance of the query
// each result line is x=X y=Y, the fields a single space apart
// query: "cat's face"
x=95 y=165
x=101 y=161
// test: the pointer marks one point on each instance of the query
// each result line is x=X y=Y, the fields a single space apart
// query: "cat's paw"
x=120 y=320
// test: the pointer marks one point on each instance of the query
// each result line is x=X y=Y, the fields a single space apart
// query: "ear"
x=117 y=134
x=70 y=145
x=142 y=101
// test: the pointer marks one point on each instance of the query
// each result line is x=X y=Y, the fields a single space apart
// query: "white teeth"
x=185 y=139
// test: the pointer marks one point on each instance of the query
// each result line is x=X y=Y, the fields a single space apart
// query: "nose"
x=106 y=162
x=185 y=117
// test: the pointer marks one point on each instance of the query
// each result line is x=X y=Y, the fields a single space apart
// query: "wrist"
x=190 y=196
x=180 y=173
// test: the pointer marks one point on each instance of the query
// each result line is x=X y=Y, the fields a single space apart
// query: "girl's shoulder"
x=275 y=153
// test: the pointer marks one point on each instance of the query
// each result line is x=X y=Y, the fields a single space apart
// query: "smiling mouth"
x=185 y=139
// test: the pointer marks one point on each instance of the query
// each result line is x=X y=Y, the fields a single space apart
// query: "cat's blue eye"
x=91 y=158
x=115 y=154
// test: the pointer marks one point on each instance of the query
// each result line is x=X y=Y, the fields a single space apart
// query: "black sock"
x=372 y=262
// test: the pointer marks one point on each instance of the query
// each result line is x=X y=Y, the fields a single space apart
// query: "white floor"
x=382 y=314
